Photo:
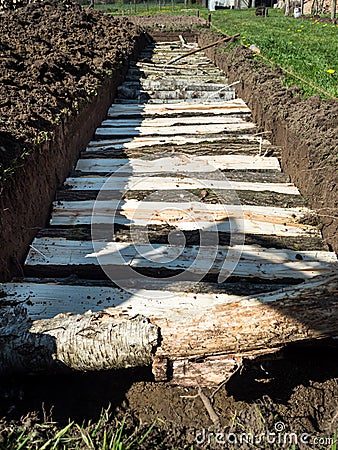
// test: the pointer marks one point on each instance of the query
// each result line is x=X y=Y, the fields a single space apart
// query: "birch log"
x=92 y=341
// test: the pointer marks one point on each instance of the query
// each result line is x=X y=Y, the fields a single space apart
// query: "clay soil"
x=53 y=57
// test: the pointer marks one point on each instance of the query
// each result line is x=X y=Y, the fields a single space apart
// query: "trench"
x=177 y=210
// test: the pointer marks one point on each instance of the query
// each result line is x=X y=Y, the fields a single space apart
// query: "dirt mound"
x=168 y=23
x=54 y=56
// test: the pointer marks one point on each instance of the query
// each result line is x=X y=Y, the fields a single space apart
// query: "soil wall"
x=26 y=198
x=307 y=130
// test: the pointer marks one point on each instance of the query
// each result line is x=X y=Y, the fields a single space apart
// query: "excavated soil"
x=167 y=23
x=50 y=70
x=53 y=59
x=60 y=67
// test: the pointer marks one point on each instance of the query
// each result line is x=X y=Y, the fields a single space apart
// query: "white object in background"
x=212 y=5
x=297 y=13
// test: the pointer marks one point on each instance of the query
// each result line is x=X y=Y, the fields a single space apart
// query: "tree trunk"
x=287 y=7
x=188 y=338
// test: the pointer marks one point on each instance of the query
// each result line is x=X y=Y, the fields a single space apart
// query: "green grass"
x=306 y=48
x=105 y=434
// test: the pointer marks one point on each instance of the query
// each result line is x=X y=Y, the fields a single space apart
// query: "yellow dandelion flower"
x=290 y=42
x=331 y=71
x=325 y=25
x=299 y=31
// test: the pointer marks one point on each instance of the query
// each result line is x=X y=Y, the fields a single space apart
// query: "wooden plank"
x=159 y=234
x=46 y=300
x=158 y=183
x=181 y=85
x=172 y=121
x=186 y=216
x=230 y=147
x=160 y=97
x=135 y=74
x=179 y=163
x=257 y=198
x=252 y=176
x=172 y=95
x=103 y=133
x=245 y=261
x=138 y=142
x=188 y=64
x=218 y=108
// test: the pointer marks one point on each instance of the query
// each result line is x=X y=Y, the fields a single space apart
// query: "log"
x=188 y=339
x=92 y=341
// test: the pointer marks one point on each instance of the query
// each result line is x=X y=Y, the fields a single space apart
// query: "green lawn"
x=306 y=48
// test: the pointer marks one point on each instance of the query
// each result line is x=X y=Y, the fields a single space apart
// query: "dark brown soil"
x=296 y=391
x=167 y=23
x=53 y=59
x=60 y=67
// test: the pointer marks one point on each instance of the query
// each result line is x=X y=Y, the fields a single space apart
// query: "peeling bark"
x=93 y=341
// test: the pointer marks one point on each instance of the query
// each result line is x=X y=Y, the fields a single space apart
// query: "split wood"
x=220 y=41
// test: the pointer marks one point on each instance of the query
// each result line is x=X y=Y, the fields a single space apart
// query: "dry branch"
x=220 y=41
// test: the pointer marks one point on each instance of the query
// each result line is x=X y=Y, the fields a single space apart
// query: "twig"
x=225 y=39
x=189 y=396
x=183 y=41
x=227 y=86
x=38 y=251
x=208 y=406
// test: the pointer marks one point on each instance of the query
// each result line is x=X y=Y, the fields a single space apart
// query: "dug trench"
x=297 y=386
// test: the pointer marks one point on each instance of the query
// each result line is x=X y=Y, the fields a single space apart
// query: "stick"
x=208 y=406
x=225 y=39
x=183 y=41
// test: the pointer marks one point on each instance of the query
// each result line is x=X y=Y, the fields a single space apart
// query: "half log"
x=188 y=338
